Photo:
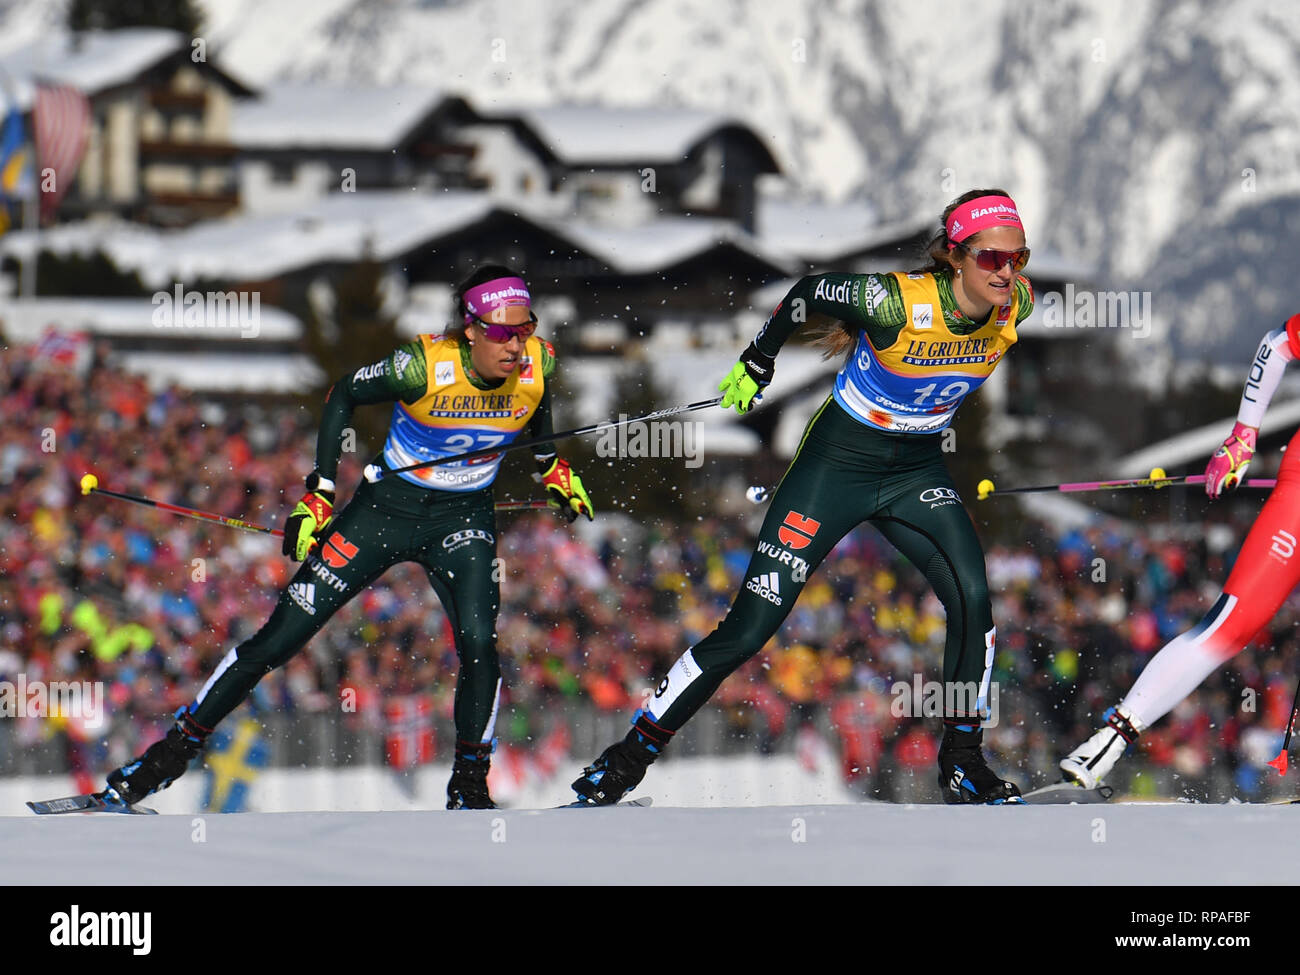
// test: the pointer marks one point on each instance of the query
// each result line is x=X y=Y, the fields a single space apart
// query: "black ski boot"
x=964 y=776
x=622 y=766
x=162 y=763
x=468 y=787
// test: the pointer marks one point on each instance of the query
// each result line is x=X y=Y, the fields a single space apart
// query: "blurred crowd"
x=99 y=590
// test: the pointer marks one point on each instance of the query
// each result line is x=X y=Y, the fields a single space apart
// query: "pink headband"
x=483 y=299
x=980 y=214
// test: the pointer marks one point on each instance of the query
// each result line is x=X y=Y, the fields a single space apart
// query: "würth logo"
x=797 y=531
x=768 y=586
x=338 y=551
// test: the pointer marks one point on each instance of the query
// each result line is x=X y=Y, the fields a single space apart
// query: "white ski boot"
x=1092 y=761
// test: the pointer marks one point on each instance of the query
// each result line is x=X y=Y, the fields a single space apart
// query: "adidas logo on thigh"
x=767 y=585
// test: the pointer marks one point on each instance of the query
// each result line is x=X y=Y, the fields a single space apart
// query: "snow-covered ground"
x=742 y=820
x=746 y=780
x=872 y=843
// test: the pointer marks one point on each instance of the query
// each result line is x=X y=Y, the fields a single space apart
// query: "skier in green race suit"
x=481 y=384
x=917 y=344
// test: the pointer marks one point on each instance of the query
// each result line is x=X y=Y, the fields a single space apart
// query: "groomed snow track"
x=871 y=843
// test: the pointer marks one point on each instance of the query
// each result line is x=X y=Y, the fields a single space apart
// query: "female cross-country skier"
x=917 y=344
x=482 y=383
x=1264 y=574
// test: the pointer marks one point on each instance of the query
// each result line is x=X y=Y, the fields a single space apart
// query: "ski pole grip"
x=373 y=473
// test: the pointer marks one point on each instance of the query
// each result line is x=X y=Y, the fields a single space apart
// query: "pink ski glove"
x=1228 y=465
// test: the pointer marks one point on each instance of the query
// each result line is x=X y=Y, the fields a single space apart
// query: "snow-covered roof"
x=815 y=232
x=340 y=227
x=1051 y=264
x=1196 y=446
x=763 y=299
x=689 y=375
x=593 y=383
x=647 y=247
x=224 y=372
x=578 y=134
x=1064 y=513
x=25 y=320
x=315 y=116
x=92 y=61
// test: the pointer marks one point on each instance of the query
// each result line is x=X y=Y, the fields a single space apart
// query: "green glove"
x=309 y=517
x=747 y=379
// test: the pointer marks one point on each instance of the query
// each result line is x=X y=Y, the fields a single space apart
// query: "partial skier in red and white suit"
x=1266 y=570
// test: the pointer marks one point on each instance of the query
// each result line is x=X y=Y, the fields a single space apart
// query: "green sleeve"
x=399 y=376
x=870 y=302
x=1025 y=292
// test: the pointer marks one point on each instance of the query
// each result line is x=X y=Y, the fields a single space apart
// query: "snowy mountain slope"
x=1158 y=140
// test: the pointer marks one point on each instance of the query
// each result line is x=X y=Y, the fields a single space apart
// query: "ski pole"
x=90 y=483
x=1279 y=763
x=521 y=505
x=375 y=473
x=1156 y=479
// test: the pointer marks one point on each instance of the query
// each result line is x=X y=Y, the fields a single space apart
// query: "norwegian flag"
x=515 y=769
x=408 y=738
x=61 y=121
x=65 y=348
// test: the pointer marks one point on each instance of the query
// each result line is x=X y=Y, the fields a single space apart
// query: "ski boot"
x=467 y=788
x=964 y=776
x=622 y=765
x=1092 y=761
x=162 y=763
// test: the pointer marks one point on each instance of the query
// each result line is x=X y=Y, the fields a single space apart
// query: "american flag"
x=61 y=121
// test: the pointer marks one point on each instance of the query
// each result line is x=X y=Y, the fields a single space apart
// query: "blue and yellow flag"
x=15 y=167
x=233 y=760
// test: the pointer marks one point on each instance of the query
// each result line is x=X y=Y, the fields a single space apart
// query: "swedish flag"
x=232 y=761
x=15 y=167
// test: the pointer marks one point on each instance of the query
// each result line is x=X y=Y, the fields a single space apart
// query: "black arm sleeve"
x=861 y=301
